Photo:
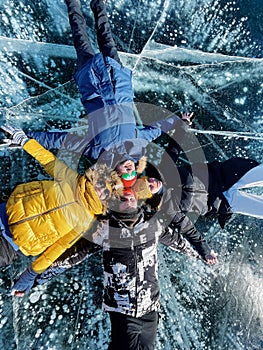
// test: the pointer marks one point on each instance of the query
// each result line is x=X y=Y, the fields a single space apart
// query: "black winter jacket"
x=130 y=261
x=199 y=192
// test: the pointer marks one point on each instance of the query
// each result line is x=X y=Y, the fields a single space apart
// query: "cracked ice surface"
x=199 y=55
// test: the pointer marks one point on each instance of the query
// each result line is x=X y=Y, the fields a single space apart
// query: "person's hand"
x=187 y=118
x=17 y=135
x=211 y=259
x=24 y=283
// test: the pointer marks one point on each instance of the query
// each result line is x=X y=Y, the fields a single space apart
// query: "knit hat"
x=141 y=188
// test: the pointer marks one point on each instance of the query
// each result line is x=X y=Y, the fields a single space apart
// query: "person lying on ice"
x=107 y=95
x=44 y=218
x=129 y=239
x=216 y=189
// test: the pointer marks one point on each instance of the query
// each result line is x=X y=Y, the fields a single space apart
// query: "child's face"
x=126 y=167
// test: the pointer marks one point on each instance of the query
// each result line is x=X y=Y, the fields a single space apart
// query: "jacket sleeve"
x=52 y=165
x=182 y=225
x=71 y=142
x=73 y=256
x=78 y=252
x=178 y=243
x=48 y=139
x=153 y=131
x=179 y=225
x=55 y=251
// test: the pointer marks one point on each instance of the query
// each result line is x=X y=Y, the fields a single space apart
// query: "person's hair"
x=102 y=174
x=96 y=174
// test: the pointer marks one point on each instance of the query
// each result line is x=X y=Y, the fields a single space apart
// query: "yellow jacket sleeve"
x=53 y=252
x=52 y=165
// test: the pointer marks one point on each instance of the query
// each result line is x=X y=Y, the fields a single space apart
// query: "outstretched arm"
x=71 y=142
x=182 y=225
x=80 y=251
x=154 y=130
x=50 y=139
x=27 y=279
x=179 y=125
x=178 y=243
x=73 y=256
x=68 y=251
x=52 y=165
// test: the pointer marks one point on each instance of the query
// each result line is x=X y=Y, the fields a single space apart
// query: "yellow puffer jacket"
x=48 y=217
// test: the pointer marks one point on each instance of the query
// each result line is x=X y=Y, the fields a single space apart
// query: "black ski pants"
x=81 y=39
x=130 y=333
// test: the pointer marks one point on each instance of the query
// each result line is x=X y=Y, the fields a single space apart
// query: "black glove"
x=18 y=137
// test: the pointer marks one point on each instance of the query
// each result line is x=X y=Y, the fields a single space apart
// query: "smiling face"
x=126 y=167
x=154 y=185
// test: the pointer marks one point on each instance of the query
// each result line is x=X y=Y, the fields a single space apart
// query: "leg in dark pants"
x=7 y=252
x=106 y=43
x=81 y=39
x=130 y=333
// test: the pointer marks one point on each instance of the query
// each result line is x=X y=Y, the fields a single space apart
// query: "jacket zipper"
x=36 y=216
x=136 y=280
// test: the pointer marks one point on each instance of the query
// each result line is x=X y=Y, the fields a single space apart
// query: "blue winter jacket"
x=112 y=135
